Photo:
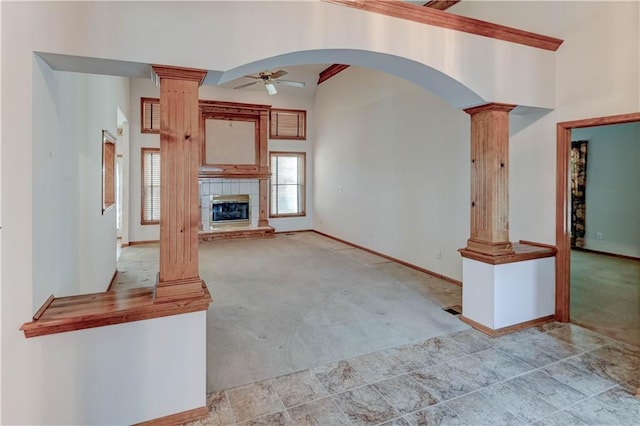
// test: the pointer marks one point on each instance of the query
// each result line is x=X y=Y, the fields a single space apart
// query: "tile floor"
x=554 y=374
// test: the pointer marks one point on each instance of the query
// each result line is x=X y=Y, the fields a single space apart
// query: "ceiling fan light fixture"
x=271 y=88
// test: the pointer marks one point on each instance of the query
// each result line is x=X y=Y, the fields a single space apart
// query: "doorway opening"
x=564 y=212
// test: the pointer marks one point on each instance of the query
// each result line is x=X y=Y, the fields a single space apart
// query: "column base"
x=169 y=291
x=488 y=248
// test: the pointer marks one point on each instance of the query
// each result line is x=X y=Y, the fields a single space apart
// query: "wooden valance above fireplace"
x=234 y=142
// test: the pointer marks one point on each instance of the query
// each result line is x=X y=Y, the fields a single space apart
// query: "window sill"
x=62 y=314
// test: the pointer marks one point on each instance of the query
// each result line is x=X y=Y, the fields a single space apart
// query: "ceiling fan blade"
x=291 y=83
x=278 y=74
x=246 y=85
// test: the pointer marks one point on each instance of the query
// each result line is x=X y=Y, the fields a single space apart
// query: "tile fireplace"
x=214 y=187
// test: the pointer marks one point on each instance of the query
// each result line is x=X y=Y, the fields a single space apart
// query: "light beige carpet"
x=301 y=301
x=605 y=295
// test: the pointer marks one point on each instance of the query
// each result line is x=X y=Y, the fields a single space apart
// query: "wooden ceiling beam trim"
x=439 y=18
x=441 y=4
x=330 y=71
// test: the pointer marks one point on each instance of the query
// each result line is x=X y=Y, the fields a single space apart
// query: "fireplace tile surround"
x=224 y=186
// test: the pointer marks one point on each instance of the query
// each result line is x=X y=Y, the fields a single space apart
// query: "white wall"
x=612 y=196
x=74 y=241
x=115 y=375
x=146 y=88
x=392 y=169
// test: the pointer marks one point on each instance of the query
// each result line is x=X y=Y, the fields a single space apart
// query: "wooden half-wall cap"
x=439 y=18
x=441 y=4
x=330 y=71
x=62 y=314
x=178 y=73
x=523 y=250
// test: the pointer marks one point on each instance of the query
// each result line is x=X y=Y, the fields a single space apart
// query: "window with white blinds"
x=150 y=186
x=149 y=115
x=287 y=184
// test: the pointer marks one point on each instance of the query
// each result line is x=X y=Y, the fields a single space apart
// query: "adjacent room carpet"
x=300 y=301
x=605 y=295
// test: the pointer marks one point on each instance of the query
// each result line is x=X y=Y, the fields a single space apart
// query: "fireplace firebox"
x=229 y=211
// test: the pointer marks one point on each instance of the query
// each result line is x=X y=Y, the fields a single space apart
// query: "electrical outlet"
x=438 y=254
x=599 y=235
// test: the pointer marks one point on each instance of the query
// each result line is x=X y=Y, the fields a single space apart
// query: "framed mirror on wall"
x=108 y=171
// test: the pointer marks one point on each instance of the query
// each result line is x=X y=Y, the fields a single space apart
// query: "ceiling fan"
x=268 y=78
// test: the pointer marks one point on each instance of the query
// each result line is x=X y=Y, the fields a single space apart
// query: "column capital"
x=493 y=106
x=178 y=73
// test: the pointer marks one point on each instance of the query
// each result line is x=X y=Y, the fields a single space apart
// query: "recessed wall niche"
x=230 y=141
x=234 y=142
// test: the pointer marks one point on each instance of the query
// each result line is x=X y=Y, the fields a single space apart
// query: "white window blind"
x=150 y=185
x=287 y=184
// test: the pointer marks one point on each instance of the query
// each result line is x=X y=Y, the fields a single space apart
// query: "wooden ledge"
x=210 y=174
x=524 y=250
x=108 y=308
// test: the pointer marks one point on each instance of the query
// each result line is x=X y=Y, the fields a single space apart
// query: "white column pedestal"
x=499 y=298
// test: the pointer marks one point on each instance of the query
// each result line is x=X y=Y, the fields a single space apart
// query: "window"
x=287 y=184
x=288 y=124
x=149 y=115
x=150 y=186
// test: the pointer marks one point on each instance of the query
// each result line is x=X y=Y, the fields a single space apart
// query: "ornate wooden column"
x=179 y=197
x=490 y=180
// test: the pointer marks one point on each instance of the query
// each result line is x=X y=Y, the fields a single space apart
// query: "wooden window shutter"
x=288 y=124
x=150 y=115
